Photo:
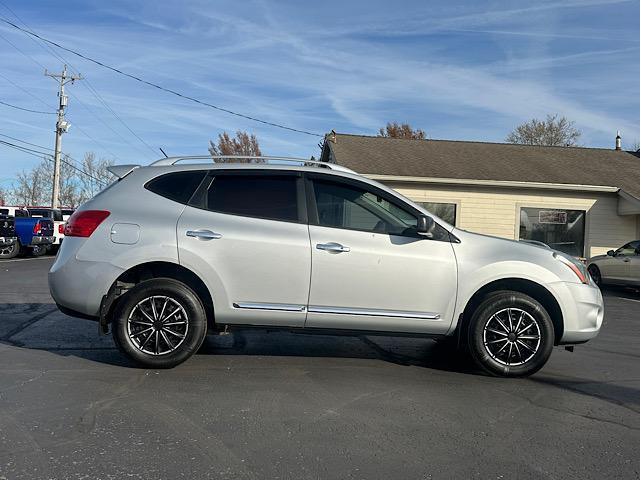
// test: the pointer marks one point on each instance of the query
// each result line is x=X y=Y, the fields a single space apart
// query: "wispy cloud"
x=459 y=71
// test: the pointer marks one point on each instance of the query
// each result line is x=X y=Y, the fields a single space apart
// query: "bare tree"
x=31 y=188
x=553 y=131
x=396 y=130
x=96 y=176
x=69 y=191
x=4 y=196
x=635 y=147
x=243 y=144
x=78 y=183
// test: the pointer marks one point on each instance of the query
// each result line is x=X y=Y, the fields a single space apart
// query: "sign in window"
x=559 y=228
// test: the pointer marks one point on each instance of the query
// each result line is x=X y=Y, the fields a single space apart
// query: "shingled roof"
x=486 y=161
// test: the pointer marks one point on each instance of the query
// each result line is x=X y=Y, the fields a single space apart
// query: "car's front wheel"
x=510 y=335
x=159 y=323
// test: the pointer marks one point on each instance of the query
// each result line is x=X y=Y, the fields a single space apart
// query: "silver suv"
x=174 y=250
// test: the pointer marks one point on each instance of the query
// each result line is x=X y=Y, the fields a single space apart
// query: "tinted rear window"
x=178 y=186
x=272 y=197
x=46 y=213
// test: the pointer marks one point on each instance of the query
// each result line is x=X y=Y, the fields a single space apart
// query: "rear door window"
x=272 y=197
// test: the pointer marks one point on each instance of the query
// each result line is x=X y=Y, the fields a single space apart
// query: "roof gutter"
x=492 y=183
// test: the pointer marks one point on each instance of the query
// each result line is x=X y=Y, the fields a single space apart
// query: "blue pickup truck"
x=34 y=235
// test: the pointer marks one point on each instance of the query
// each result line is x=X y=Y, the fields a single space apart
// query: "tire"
x=10 y=251
x=38 y=250
x=170 y=343
x=594 y=271
x=510 y=354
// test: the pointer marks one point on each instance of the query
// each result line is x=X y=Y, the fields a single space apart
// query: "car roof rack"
x=262 y=159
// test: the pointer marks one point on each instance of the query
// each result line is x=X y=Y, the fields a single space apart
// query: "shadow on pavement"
x=421 y=352
x=42 y=327
x=615 y=393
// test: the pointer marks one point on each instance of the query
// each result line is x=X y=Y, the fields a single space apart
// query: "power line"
x=113 y=112
x=30 y=151
x=46 y=155
x=26 y=109
x=44 y=103
x=52 y=51
x=47 y=48
x=155 y=85
x=25 y=90
x=27 y=143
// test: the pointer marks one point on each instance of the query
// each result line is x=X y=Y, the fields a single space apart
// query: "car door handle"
x=203 y=234
x=626 y=260
x=333 y=247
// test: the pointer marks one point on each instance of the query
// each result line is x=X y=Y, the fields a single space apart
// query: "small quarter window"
x=272 y=197
x=446 y=211
x=178 y=186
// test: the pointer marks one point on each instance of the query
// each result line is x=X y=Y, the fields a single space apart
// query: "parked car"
x=56 y=216
x=8 y=240
x=34 y=234
x=66 y=213
x=171 y=251
x=617 y=267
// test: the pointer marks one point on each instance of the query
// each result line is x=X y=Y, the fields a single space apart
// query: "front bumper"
x=583 y=311
x=6 y=241
x=45 y=240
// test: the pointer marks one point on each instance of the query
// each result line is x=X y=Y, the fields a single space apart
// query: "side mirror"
x=425 y=226
x=611 y=253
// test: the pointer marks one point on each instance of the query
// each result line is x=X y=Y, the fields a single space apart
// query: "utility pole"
x=61 y=127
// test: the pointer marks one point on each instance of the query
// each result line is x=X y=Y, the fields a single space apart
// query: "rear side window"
x=178 y=186
x=273 y=197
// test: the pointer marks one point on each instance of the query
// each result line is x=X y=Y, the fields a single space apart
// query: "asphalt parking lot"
x=291 y=406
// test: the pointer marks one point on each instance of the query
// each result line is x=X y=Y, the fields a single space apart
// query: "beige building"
x=583 y=201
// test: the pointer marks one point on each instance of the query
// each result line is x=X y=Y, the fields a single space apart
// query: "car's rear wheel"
x=510 y=335
x=594 y=271
x=9 y=251
x=159 y=323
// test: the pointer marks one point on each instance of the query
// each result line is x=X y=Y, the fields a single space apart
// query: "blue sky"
x=459 y=70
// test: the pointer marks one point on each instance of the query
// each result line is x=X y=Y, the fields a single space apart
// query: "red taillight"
x=61 y=228
x=83 y=223
x=37 y=228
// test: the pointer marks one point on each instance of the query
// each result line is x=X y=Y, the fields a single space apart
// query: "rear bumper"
x=4 y=241
x=77 y=286
x=46 y=240
x=75 y=313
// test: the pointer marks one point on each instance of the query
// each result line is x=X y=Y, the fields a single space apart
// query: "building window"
x=560 y=229
x=446 y=211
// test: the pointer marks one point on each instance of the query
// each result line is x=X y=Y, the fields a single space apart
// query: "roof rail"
x=262 y=159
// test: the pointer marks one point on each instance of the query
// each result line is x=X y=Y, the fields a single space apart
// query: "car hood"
x=598 y=257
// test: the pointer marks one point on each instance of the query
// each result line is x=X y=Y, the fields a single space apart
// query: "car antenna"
x=165 y=155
